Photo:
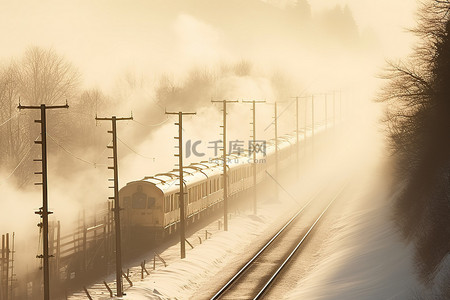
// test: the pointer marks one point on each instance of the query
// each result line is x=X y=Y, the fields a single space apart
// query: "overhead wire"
x=72 y=154
x=12 y=117
x=126 y=145
x=18 y=165
x=151 y=125
x=310 y=83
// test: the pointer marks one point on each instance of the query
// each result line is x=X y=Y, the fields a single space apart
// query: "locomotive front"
x=142 y=203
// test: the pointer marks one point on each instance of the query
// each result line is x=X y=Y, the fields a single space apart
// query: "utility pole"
x=224 y=151
x=276 y=150
x=275 y=122
x=12 y=266
x=297 y=138
x=334 y=109
x=43 y=211
x=297 y=116
x=253 y=151
x=326 y=112
x=312 y=125
x=181 y=194
x=116 y=209
x=305 y=123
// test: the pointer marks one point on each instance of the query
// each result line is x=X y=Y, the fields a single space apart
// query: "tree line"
x=417 y=98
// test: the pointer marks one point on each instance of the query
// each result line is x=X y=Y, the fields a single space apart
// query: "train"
x=151 y=205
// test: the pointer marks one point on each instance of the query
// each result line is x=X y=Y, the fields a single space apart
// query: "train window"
x=139 y=199
x=167 y=204
x=139 y=203
x=151 y=202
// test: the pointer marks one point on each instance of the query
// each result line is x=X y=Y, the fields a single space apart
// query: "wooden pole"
x=43 y=211
x=181 y=193
x=115 y=167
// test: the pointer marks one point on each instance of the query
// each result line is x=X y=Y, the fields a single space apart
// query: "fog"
x=146 y=57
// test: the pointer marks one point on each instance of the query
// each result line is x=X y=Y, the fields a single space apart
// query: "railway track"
x=257 y=276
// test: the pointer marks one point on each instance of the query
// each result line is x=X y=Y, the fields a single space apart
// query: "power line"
x=279 y=115
x=18 y=165
x=126 y=145
x=151 y=125
x=72 y=154
x=12 y=117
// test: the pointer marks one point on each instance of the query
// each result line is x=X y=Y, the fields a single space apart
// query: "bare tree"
x=40 y=77
x=47 y=77
x=14 y=138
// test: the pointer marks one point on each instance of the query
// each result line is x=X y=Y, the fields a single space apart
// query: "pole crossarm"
x=182 y=113
x=119 y=281
x=110 y=119
x=20 y=106
x=254 y=101
x=43 y=211
x=301 y=97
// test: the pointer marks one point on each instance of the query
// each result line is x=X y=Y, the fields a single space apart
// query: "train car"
x=151 y=205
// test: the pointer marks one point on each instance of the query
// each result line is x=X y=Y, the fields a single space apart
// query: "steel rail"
x=278 y=271
x=249 y=263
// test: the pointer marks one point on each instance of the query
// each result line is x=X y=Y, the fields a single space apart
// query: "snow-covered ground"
x=181 y=279
x=365 y=256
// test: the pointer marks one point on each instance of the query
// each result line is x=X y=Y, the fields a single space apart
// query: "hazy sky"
x=386 y=17
x=105 y=38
